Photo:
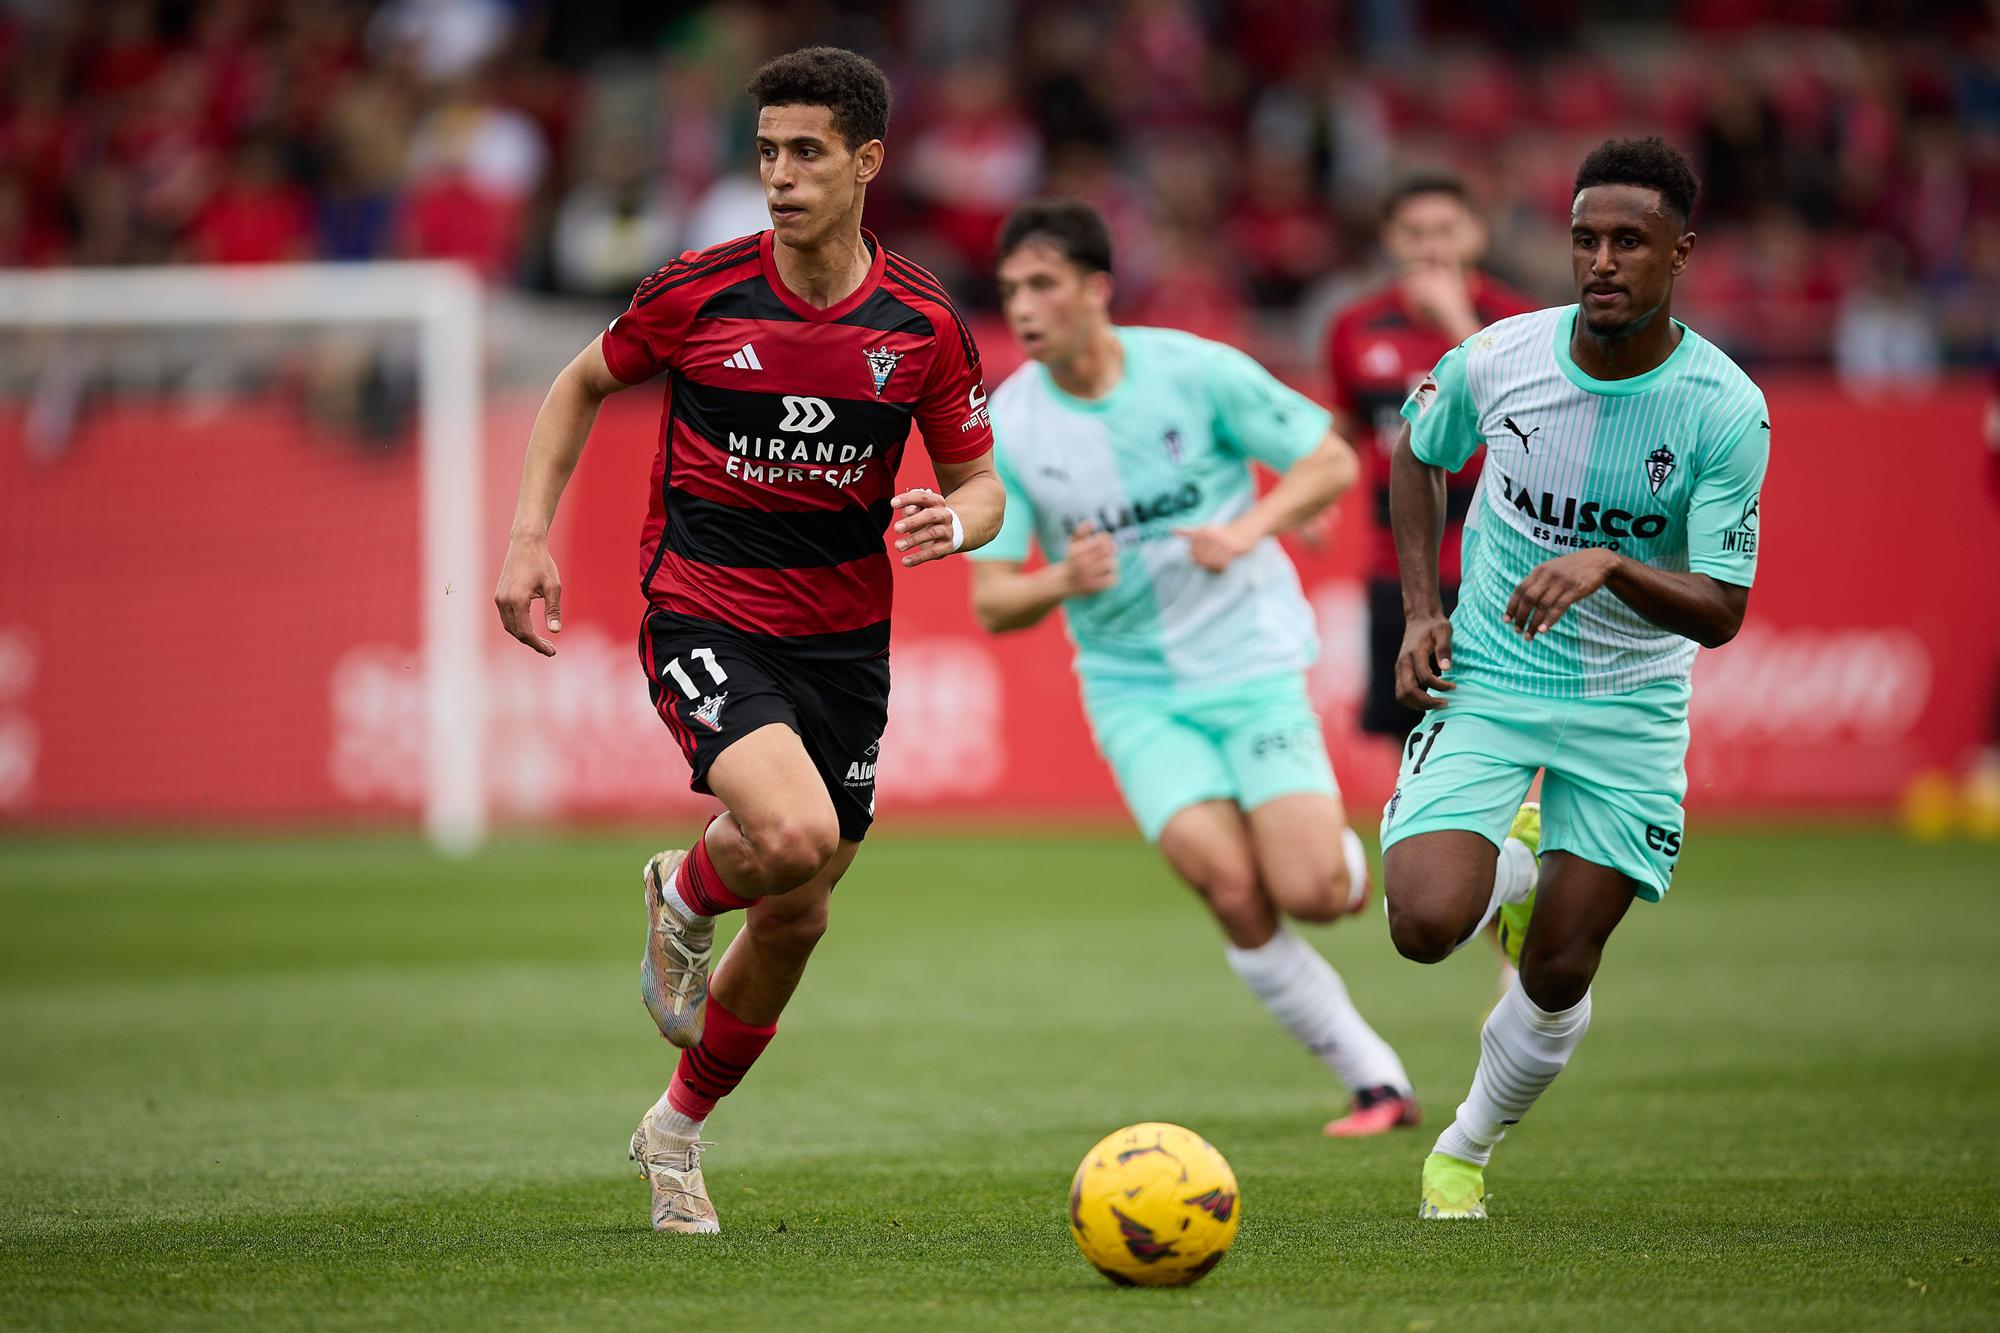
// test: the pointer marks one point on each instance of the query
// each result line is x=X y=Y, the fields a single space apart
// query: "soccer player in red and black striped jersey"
x=1379 y=349
x=796 y=361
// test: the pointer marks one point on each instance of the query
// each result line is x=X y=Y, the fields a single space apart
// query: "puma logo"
x=1508 y=422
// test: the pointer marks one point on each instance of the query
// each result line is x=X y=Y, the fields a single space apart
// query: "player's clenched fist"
x=1091 y=563
x=1215 y=546
x=926 y=528
x=1423 y=660
x=529 y=572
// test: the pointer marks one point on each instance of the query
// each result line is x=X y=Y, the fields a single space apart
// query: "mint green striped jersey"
x=1664 y=467
x=1169 y=447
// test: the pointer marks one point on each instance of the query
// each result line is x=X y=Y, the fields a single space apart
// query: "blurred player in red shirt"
x=1378 y=349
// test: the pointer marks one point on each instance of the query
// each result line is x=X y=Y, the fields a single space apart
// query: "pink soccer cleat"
x=1376 y=1111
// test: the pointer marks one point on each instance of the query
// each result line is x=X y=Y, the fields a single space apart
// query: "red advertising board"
x=211 y=618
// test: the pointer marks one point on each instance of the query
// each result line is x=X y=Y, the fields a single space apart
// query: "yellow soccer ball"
x=1154 y=1205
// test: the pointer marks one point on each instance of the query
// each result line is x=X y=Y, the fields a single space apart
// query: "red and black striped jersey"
x=1377 y=352
x=781 y=433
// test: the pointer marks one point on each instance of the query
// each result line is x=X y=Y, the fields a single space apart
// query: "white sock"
x=1356 y=854
x=1310 y=1001
x=673 y=1122
x=671 y=891
x=1521 y=1050
x=1514 y=876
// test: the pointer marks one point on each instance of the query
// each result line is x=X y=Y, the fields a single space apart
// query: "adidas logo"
x=745 y=359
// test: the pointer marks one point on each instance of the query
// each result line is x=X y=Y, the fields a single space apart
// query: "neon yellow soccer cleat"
x=1513 y=917
x=1453 y=1190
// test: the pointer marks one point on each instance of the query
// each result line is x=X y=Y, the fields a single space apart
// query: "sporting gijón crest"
x=1659 y=466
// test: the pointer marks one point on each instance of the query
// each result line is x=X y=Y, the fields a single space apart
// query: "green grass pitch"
x=337 y=1084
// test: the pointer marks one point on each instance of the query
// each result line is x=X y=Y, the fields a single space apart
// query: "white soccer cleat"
x=673 y=974
x=671 y=1164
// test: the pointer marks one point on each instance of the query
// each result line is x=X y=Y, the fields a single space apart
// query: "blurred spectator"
x=497 y=149
x=446 y=215
x=443 y=39
x=1284 y=232
x=974 y=156
x=1885 y=339
x=616 y=225
x=1239 y=150
x=257 y=216
x=732 y=207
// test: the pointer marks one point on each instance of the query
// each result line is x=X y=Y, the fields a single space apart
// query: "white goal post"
x=443 y=301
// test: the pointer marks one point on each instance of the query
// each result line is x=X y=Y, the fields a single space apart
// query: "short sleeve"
x=1444 y=423
x=1017 y=524
x=1257 y=413
x=1723 y=516
x=644 y=340
x=952 y=413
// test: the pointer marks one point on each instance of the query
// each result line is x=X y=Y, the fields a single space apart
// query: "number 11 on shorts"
x=677 y=673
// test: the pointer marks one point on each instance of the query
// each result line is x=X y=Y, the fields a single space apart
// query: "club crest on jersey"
x=1659 y=466
x=709 y=714
x=1171 y=442
x=882 y=364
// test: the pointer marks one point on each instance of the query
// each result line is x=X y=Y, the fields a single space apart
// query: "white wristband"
x=957 y=529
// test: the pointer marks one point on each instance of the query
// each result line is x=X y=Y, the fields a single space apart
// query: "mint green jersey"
x=1664 y=467
x=1170 y=447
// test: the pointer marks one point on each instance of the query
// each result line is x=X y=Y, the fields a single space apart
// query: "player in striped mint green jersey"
x=1616 y=529
x=1126 y=455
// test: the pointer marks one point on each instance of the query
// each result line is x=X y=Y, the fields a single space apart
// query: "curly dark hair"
x=1072 y=226
x=1650 y=162
x=852 y=86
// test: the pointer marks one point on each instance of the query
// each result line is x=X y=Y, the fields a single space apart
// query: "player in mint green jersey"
x=1616 y=529
x=1126 y=454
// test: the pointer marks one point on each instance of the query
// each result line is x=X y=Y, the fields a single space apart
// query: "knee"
x=1323 y=896
x=791 y=849
x=1556 y=978
x=1420 y=936
x=1235 y=897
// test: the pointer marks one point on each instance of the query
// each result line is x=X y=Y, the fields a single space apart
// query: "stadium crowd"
x=1851 y=154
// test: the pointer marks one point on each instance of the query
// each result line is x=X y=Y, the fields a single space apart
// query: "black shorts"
x=1382 y=713
x=713 y=686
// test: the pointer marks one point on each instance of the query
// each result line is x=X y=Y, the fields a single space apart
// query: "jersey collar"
x=1115 y=398
x=805 y=309
x=1566 y=329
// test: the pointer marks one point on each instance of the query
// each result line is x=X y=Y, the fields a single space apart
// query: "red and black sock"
x=711 y=1068
x=701 y=886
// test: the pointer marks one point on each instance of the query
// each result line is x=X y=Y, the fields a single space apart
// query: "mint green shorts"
x=1247 y=743
x=1614 y=773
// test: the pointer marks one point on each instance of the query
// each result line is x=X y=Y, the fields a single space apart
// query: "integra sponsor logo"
x=1165 y=505
x=1581 y=519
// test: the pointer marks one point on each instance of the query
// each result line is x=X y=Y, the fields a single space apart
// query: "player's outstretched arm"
x=1695 y=606
x=1416 y=520
x=1006 y=595
x=1303 y=493
x=930 y=526
x=554 y=446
